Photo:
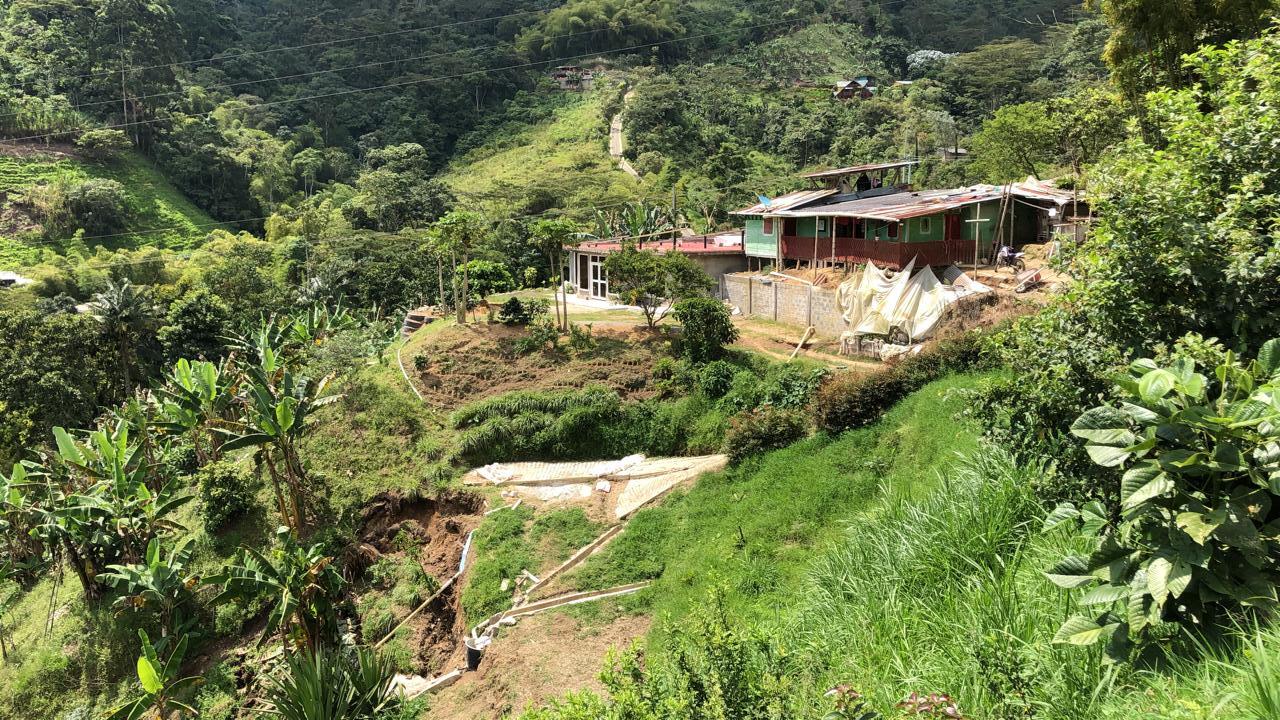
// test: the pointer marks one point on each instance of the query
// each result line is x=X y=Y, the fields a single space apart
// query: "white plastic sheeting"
x=873 y=303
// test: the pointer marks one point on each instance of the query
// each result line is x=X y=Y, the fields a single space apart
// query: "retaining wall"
x=791 y=303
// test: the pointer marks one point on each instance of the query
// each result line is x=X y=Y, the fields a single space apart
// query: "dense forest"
x=217 y=215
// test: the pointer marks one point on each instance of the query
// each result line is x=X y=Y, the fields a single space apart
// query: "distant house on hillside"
x=572 y=77
x=891 y=225
x=718 y=254
x=862 y=87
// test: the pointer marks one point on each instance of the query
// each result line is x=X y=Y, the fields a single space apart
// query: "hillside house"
x=862 y=87
x=764 y=227
x=718 y=254
x=937 y=227
x=572 y=77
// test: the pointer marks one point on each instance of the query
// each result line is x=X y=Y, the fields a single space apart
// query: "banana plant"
x=276 y=417
x=301 y=584
x=159 y=685
x=159 y=584
x=197 y=398
x=25 y=549
x=101 y=507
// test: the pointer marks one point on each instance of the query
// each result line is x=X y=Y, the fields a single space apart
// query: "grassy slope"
x=156 y=204
x=899 y=558
x=562 y=162
x=754 y=529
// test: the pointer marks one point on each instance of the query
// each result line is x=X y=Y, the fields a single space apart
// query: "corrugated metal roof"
x=1046 y=190
x=901 y=206
x=786 y=202
x=860 y=169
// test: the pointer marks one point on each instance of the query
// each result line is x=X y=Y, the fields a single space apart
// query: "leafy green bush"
x=581 y=341
x=850 y=400
x=103 y=145
x=97 y=206
x=792 y=386
x=485 y=278
x=542 y=335
x=707 y=328
x=716 y=378
x=767 y=428
x=674 y=377
x=522 y=312
x=226 y=493
x=1197 y=537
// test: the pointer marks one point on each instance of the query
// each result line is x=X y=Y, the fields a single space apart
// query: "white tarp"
x=873 y=303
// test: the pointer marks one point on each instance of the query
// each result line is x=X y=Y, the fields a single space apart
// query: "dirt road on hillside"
x=616 y=143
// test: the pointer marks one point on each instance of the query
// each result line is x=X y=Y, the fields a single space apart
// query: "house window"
x=926 y=226
x=822 y=225
x=768 y=226
x=893 y=230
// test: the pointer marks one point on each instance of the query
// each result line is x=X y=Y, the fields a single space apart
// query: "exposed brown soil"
x=433 y=530
x=26 y=149
x=542 y=658
x=15 y=219
x=464 y=364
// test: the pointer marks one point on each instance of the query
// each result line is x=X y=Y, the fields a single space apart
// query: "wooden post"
x=831 y=228
x=814 y=266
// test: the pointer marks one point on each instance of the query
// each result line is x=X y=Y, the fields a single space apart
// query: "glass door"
x=599 y=279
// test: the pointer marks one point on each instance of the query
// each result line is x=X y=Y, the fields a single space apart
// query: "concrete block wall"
x=791 y=303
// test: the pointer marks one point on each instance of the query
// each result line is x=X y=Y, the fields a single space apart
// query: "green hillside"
x=547 y=150
x=158 y=214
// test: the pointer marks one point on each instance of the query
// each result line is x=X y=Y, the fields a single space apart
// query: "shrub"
x=767 y=428
x=580 y=339
x=485 y=278
x=792 y=386
x=97 y=206
x=522 y=312
x=543 y=335
x=708 y=327
x=1195 y=539
x=102 y=145
x=531 y=277
x=226 y=493
x=715 y=379
x=673 y=377
x=848 y=400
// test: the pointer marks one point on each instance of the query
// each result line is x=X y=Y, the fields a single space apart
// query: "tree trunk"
x=466 y=283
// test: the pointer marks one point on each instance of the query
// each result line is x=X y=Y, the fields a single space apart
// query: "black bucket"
x=474 y=654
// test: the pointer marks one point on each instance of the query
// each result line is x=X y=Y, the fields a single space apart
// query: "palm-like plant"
x=24 y=551
x=333 y=684
x=100 y=506
x=301 y=582
x=160 y=583
x=197 y=398
x=158 y=684
x=277 y=407
x=125 y=312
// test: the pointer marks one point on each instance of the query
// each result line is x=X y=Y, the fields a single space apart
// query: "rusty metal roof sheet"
x=786 y=202
x=860 y=169
x=901 y=206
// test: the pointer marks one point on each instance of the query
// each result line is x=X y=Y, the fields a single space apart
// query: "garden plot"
x=620 y=486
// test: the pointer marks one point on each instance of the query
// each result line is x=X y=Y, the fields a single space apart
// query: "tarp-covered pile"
x=873 y=303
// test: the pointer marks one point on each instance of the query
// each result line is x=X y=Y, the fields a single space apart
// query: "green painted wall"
x=988 y=211
x=759 y=244
x=805 y=227
x=879 y=230
x=931 y=228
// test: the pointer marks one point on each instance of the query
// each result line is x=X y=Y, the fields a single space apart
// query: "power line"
x=325 y=43
x=378 y=63
x=407 y=83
